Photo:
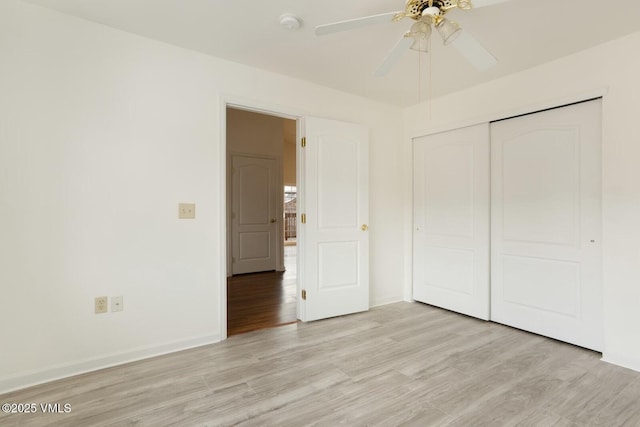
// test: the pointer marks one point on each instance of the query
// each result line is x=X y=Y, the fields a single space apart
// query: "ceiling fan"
x=428 y=14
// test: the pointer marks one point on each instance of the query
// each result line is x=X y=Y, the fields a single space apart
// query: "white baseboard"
x=623 y=361
x=384 y=301
x=66 y=370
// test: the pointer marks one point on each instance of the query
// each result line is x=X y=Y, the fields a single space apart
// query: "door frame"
x=224 y=226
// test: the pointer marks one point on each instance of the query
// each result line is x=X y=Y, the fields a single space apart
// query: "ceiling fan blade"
x=483 y=3
x=394 y=56
x=351 y=24
x=474 y=52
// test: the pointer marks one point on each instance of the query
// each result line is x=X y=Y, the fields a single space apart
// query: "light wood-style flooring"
x=400 y=364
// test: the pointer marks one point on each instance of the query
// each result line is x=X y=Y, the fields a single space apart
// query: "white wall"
x=613 y=65
x=102 y=134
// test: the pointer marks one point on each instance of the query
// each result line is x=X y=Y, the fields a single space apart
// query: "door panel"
x=451 y=220
x=541 y=179
x=254 y=201
x=338 y=265
x=254 y=245
x=542 y=284
x=449 y=269
x=335 y=245
x=337 y=182
x=546 y=224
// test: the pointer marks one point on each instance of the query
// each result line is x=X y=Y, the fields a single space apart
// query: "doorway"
x=262 y=274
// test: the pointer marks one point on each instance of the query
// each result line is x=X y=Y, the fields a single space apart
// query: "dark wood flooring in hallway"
x=262 y=300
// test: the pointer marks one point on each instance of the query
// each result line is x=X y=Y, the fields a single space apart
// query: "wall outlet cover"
x=101 y=305
x=117 y=304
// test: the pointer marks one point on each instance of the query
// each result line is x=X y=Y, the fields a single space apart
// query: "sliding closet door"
x=546 y=262
x=451 y=220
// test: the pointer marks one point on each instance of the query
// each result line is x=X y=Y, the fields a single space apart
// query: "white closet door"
x=451 y=220
x=546 y=269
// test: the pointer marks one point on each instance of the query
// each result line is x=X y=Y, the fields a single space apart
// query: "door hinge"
x=303 y=218
x=304 y=294
x=304 y=141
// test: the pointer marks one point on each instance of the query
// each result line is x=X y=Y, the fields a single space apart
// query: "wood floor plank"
x=260 y=300
x=625 y=408
x=401 y=364
x=542 y=418
x=263 y=300
x=583 y=400
x=505 y=408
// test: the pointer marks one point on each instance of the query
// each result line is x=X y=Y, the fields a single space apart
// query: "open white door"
x=451 y=220
x=335 y=237
x=547 y=225
x=254 y=215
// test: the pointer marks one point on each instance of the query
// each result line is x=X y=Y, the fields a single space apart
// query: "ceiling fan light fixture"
x=420 y=45
x=421 y=33
x=427 y=14
x=431 y=13
x=448 y=30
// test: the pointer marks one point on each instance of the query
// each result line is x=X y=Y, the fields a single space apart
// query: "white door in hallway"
x=335 y=239
x=254 y=214
x=546 y=233
x=451 y=220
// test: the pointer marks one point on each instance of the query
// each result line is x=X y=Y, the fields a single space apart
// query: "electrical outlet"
x=101 y=304
x=117 y=304
x=186 y=210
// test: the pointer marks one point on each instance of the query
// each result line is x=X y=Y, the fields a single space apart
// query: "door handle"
x=273 y=220
x=364 y=227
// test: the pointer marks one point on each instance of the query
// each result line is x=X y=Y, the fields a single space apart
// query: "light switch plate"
x=186 y=210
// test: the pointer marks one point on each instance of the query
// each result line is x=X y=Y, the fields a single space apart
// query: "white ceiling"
x=520 y=33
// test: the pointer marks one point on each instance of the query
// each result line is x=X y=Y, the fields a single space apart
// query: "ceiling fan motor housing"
x=415 y=8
